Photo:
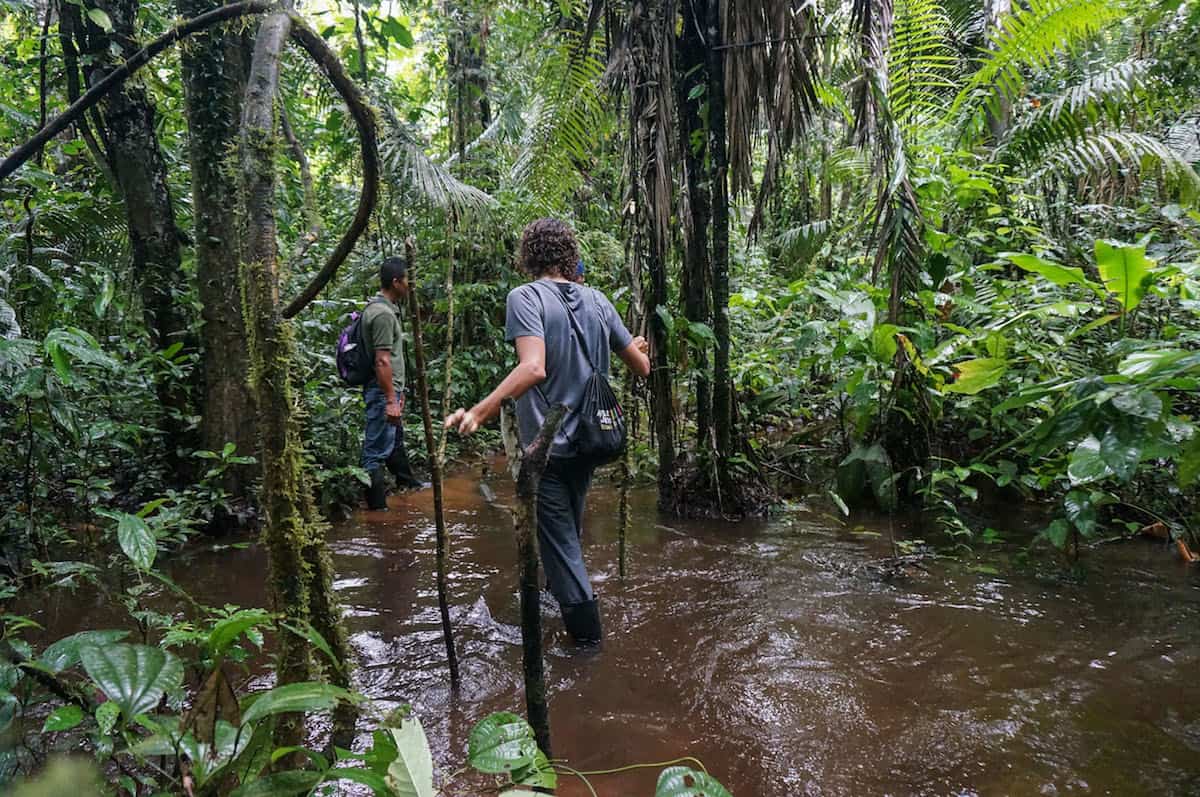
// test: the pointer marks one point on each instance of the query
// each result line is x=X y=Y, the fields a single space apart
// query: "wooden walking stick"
x=435 y=465
x=527 y=466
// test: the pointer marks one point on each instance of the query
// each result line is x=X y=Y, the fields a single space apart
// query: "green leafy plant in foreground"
x=142 y=737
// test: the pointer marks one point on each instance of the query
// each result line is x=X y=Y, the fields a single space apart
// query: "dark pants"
x=561 y=498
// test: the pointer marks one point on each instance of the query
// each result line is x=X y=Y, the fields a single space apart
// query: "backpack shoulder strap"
x=578 y=330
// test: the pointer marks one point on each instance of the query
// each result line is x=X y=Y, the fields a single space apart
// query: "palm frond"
x=1106 y=96
x=562 y=121
x=871 y=20
x=921 y=64
x=770 y=87
x=1030 y=38
x=1100 y=151
x=408 y=166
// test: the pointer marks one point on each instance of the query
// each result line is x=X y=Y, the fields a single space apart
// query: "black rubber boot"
x=583 y=622
x=401 y=469
x=377 y=492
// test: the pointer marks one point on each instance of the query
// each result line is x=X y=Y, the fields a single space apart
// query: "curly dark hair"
x=549 y=249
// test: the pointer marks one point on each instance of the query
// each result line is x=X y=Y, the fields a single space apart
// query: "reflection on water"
x=749 y=647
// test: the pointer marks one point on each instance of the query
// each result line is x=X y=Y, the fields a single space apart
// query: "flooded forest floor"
x=764 y=650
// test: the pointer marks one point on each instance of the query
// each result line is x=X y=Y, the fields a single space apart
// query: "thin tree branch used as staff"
x=435 y=467
x=23 y=153
x=527 y=465
x=364 y=119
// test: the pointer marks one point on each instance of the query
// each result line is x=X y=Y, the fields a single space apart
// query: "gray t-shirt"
x=534 y=309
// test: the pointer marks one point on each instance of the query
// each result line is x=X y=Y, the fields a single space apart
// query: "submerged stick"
x=435 y=465
x=527 y=466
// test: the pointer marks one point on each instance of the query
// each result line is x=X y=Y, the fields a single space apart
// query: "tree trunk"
x=301 y=573
x=697 y=217
x=137 y=163
x=650 y=101
x=719 y=158
x=215 y=63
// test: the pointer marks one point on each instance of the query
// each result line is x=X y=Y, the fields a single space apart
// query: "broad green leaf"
x=227 y=631
x=1147 y=363
x=1120 y=454
x=1139 y=403
x=137 y=540
x=64 y=653
x=1058 y=274
x=280 y=784
x=135 y=677
x=357 y=775
x=539 y=774
x=101 y=19
x=883 y=342
x=1086 y=464
x=397 y=32
x=107 y=714
x=1081 y=511
x=63 y=718
x=1125 y=270
x=307 y=696
x=305 y=631
x=1058 y=532
x=501 y=742
x=685 y=782
x=410 y=774
x=977 y=375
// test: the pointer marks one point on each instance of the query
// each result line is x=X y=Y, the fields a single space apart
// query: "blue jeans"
x=380 y=436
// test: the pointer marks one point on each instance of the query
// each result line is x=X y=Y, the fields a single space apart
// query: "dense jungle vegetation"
x=921 y=257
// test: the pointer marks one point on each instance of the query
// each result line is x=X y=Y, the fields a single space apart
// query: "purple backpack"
x=354 y=363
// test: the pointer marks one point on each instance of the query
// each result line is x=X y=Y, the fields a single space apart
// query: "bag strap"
x=578 y=330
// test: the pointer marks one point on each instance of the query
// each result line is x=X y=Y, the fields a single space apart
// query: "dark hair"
x=393 y=268
x=548 y=248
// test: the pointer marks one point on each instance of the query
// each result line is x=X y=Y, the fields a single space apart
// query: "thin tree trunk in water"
x=692 y=73
x=215 y=65
x=526 y=466
x=435 y=466
x=141 y=172
x=722 y=395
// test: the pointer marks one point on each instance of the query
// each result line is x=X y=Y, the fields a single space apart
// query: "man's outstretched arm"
x=529 y=372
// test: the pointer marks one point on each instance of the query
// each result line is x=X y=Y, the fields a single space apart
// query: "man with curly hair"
x=553 y=367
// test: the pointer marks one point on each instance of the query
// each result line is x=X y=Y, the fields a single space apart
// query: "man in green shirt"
x=383 y=440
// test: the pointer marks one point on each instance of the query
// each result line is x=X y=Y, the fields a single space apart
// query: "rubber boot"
x=401 y=469
x=583 y=622
x=377 y=492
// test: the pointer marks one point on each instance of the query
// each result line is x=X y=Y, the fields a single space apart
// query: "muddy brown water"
x=758 y=649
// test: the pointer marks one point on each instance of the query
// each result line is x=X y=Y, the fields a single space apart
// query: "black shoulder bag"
x=601 y=435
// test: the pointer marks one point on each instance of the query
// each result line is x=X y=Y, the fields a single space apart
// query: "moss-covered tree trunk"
x=301 y=573
x=215 y=63
x=137 y=163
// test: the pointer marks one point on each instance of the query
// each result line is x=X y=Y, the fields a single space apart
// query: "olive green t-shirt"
x=381 y=325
